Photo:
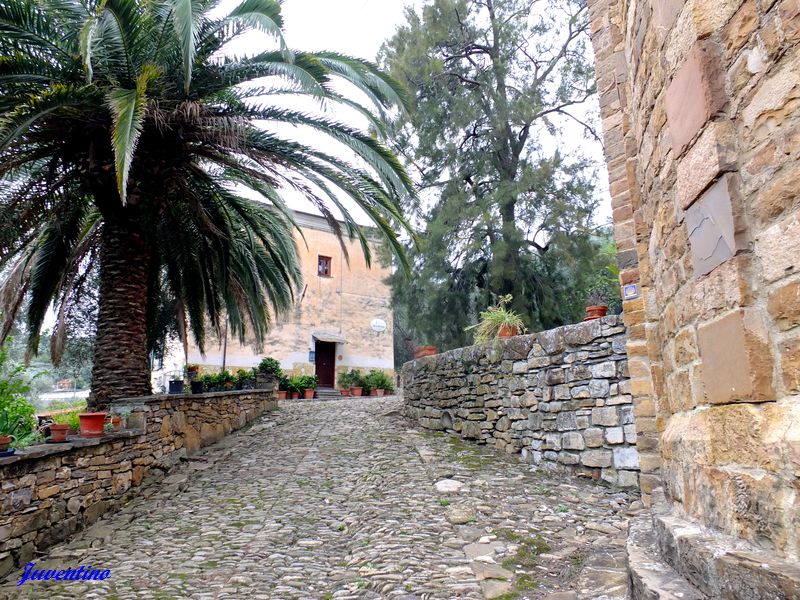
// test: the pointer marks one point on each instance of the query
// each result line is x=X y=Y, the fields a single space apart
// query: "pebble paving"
x=346 y=499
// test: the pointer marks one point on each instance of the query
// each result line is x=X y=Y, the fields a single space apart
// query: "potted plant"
x=176 y=386
x=192 y=371
x=422 y=351
x=498 y=321
x=116 y=422
x=197 y=386
x=92 y=424
x=379 y=383
x=268 y=370
x=61 y=425
x=345 y=381
x=296 y=385
x=283 y=386
x=310 y=383
x=596 y=304
x=356 y=382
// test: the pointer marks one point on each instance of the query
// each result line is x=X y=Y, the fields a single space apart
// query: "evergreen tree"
x=494 y=83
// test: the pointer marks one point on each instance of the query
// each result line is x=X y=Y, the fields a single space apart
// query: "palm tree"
x=126 y=131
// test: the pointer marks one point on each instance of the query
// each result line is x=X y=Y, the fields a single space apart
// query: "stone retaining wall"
x=49 y=492
x=561 y=397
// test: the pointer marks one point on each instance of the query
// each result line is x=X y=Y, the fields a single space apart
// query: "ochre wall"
x=700 y=104
x=345 y=304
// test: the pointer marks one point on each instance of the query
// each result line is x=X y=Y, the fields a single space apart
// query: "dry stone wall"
x=49 y=492
x=561 y=397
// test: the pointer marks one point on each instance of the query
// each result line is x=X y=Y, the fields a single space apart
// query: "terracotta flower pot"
x=507 y=331
x=421 y=351
x=92 y=424
x=595 y=312
x=5 y=442
x=295 y=395
x=116 y=422
x=281 y=394
x=58 y=433
x=373 y=392
x=344 y=393
x=356 y=391
x=308 y=394
x=380 y=392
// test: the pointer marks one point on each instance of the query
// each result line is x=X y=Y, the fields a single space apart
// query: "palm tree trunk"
x=121 y=362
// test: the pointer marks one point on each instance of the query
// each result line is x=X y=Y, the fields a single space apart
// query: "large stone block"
x=605 y=415
x=737 y=358
x=778 y=248
x=596 y=458
x=712 y=154
x=572 y=441
x=696 y=93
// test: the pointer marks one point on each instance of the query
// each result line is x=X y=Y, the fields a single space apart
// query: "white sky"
x=359 y=28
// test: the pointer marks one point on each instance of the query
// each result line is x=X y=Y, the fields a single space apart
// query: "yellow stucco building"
x=342 y=317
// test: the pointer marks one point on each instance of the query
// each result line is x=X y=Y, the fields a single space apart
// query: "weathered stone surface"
x=784 y=305
x=448 y=486
x=712 y=228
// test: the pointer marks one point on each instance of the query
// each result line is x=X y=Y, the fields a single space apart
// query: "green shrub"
x=345 y=380
x=68 y=418
x=270 y=366
x=356 y=378
x=16 y=413
x=378 y=380
x=245 y=378
x=300 y=383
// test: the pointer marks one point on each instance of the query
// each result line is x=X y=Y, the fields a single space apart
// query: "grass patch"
x=467 y=454
x=444 y=501
x=529 y=549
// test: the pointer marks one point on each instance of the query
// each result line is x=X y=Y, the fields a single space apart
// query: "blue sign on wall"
x=630 y=292
x=312 y=356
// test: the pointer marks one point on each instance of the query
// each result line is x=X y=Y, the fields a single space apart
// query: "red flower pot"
x=356 y=391
x=595 y=312
x=421 y=351
x=5 y=442
x=58 y=433
x=507 y=331
x=295 y=395
x=281 y=394
x=308 y=394
x=92 y=424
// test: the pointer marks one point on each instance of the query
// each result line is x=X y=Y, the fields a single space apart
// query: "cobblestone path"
x=341 y=499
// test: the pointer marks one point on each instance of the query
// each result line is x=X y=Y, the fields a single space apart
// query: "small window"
x=324 y=266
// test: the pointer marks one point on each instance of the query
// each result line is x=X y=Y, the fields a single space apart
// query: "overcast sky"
x=359 y=28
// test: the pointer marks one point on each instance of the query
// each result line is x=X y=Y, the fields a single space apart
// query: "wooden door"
x=325 y=357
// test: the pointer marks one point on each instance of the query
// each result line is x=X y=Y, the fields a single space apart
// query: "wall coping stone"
x=45 y=450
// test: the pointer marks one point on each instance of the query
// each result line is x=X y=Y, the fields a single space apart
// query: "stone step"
x=651 y=577
x=328 y=393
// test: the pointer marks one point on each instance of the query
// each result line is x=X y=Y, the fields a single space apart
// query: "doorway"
x=325 y=360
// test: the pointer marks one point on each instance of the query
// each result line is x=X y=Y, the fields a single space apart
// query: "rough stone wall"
x=561 y=397
x=700 y=103
x=49 y=492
